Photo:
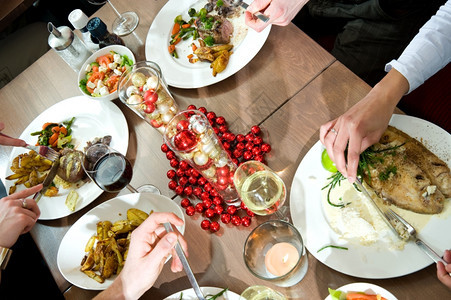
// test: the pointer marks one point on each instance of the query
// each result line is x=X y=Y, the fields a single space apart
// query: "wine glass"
x=125 y=23
x=257 y=292
x=260 y=188
x=111 y=170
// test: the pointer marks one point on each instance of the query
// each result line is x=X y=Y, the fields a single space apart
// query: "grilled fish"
x=402 y=171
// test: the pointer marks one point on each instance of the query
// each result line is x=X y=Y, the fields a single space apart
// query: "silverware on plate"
x=400 y=226
x=48 y=180
x=43 y=151
x=186 y=266
x=259 y=15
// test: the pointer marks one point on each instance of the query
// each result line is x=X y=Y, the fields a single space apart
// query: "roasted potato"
x=220 y=63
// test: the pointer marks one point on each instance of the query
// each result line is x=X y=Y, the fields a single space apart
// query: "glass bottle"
x=99 y=31
x=68 y=46
x=79 y=20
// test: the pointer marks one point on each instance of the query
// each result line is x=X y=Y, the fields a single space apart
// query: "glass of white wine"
x=261 y=292
x=260 y=188
x=125 y=23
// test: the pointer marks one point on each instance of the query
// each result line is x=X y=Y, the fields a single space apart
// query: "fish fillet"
x=409 y=176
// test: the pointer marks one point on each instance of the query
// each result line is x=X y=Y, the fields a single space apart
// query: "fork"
x=44 y=151
x=413 y=233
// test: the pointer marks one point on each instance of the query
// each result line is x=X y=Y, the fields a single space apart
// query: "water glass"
x=260 y=292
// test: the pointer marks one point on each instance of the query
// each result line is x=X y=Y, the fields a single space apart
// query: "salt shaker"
x=98 y=30
x=68 y=46
x=79 y=20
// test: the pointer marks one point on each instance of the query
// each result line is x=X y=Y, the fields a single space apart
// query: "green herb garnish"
x=336 y=178
x=209 y=41
x=332 y=246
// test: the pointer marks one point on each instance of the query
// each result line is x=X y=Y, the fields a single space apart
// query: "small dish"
x=367 y=288
x=85 y=69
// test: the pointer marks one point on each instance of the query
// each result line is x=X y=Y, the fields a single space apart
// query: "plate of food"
x=118 y=215
x=197 y=45
x=359 y=288
x=91 y=120
x=343 y=230
x=209 y=293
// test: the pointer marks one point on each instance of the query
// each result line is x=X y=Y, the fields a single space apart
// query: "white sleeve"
x=428 y=52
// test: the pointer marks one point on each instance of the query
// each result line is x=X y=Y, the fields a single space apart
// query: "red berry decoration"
x=185 y=202
x=174 y=163
x=250 y=213
x=205 y=224
x=255 y=130
x=220 y=120
x=231 y=210
x=226 y=218
x=170 y=174
x=218 y=209
x=179 y=190
x=190 y=210
x=191 y=107
x=188 y=190
x=199 y=207
x=210 y=213
x=246 y=221
x=236 y=220
x=164 y=148
x=172 y=184
x=214 y=226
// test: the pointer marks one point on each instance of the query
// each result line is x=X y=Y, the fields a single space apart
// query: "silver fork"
x=394 y=217
x=44 y=151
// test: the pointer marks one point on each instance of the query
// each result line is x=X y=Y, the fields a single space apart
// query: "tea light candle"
x=281 y=258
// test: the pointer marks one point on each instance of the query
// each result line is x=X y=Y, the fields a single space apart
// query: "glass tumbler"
x=191 y=137
x=144 y=91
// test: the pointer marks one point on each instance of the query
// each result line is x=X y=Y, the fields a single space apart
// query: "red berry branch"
x=199 y=195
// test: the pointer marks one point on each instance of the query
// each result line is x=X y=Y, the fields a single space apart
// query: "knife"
x=48 y=180
x=257 y=14
x=186 y=267
x=378 y=208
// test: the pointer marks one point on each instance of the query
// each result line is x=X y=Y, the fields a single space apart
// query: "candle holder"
x=191 y=137
x=144 y=90
x=276 y=246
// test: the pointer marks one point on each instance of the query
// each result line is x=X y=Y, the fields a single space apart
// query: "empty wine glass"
x=260 y=188
x=125 y=23
x=111 y=170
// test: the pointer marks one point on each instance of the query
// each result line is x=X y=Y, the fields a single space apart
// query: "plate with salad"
x=99 y=76
x=197 y=47
x=88 y=120
x=360 y=291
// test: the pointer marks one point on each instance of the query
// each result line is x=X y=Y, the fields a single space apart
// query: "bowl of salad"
x=99 y=76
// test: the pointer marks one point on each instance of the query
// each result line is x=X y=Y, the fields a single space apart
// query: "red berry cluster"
x=188 y=182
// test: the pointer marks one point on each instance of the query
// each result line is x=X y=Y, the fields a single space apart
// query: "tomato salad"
x=102 y=76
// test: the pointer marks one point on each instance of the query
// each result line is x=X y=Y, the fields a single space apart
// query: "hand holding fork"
x=44 y=151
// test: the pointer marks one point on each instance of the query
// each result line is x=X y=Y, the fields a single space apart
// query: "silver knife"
x=379 y=210
x=186 y=267
x=48 y=180
x=257 y=14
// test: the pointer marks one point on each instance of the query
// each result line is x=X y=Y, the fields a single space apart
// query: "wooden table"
x=290 y=88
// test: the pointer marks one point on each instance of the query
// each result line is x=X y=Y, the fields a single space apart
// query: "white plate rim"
x=364 y=262
x=73 y=243
x=228 y=295
x=175 y=74
x=105 y=113
x=363 y=287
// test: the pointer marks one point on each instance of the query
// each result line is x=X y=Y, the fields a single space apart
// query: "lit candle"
x=281 y=258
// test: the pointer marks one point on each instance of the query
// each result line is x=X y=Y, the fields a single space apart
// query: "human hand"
x=150 y=246
x=363 y=124
x=16 y=217
x=9 y=141
x=444 y=271
x=280 y=12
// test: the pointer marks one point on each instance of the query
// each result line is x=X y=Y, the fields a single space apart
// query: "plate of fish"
x=347 y=234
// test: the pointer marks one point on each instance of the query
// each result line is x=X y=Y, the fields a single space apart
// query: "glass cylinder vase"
x=144 y=91
x=191 y=137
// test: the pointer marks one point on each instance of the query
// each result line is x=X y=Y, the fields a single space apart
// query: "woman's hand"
x=150 y=246
x=444 y=271
x=18 y=214
x=280 y=12
x=9 y=141
x=363 y=124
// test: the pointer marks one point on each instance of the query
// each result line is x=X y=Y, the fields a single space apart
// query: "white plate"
x=92 y=119
x=72 y=247
x=368 y=288
x=189 y=294
x=365 y=261
x=179 y=72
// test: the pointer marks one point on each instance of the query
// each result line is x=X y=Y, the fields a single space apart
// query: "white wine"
x=259 y=292
x=263 y=192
